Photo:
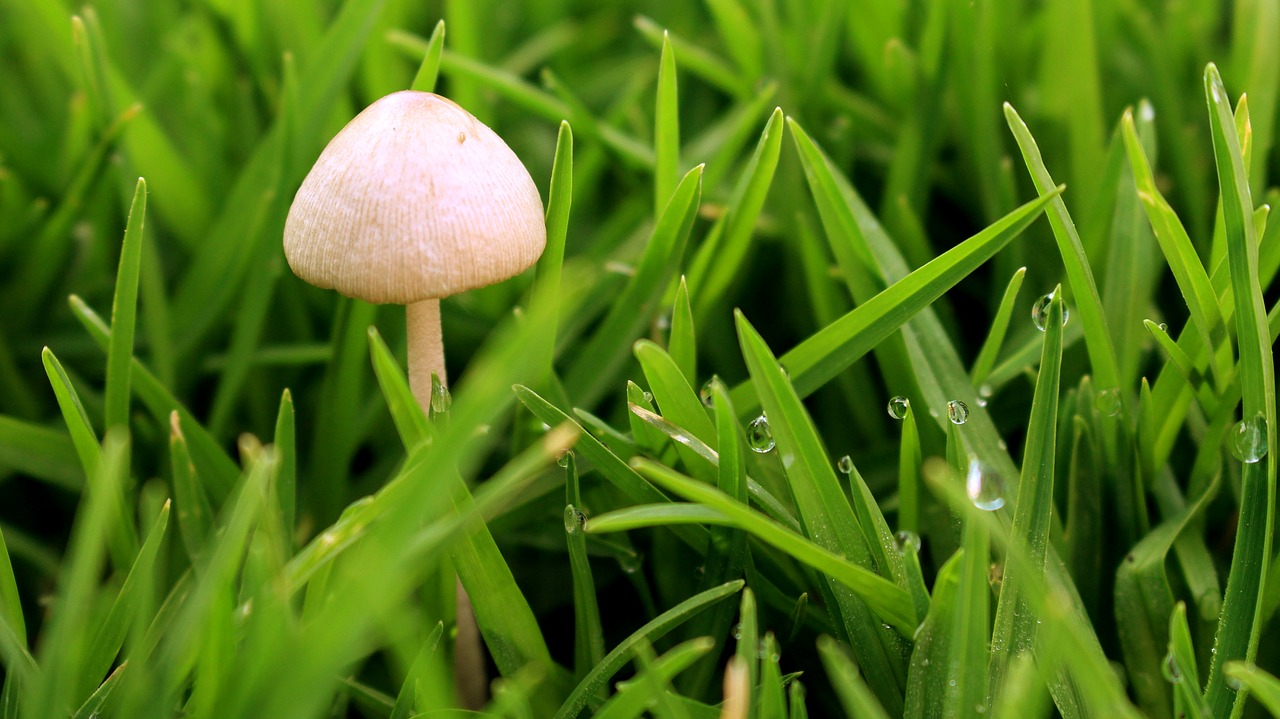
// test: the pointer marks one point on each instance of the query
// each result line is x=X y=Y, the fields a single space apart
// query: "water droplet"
x=737 y=630
x=957 y=412
x=785 y=372
x=573 y=519
x=663 y=322
x=908 y=540
x=704 y=394
x=1234 y=683
x=898 y=407
x=984 y=394
x=563 y=459
x=441 y=400
x=1249 y=439
x=983 y=486
x=1040 y=312
x=1164 y=327
x=1170 y=669
x=759 y=436
x=630 y=563
x=648 y=397
x=951 y=682
x=845 y=465
x=1108 y=401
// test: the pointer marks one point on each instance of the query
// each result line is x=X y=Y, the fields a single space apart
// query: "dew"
x=648 y=397
x=1170 y=669
x=1040 y=312
x=957 y=412
x=1234 y=683
x=630 y=563
x=845 y=465
x=908 y=540
x=951 y=683
x=899 y=406
x=983 y=487
x=737 y=630
x=984 y=394
x=1164 y=327
x=573 y=519
x=1108 y=401
x=1249 y=439
x=704 y=394
x=785 y=372
x=759 y=436
x=563 y=459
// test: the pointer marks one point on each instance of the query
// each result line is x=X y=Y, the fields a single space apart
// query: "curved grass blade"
x=888 y=600
x=818 y=359
x=546 y=281
x=429 y=70
x=825 y=513
x=1179 y=253
x=588 y=633
x=645 y=436
x=195 y=516
x=419 y=673
x=1097 y=337
x=649 y=633
x=1016 y=623
x=1185 y=366
x=410 y=419
x=124 y=312
x=677 y=400
x=999 y=327
x=83 y=436
x=603 y=355
x=1261 y=685
x=649 y=687
x=1180 y=665
x=1239 y=625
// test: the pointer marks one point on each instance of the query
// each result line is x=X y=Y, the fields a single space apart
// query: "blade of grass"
x=1239 y=625
x=588 y=632
x=429 y=70
x=999 y=327
x=40 y=452
x=1261 y=685
x=650 y=686
x=546 y=288
x=286 y=479
x=683 y=344
x=666 y=134
x=195 y=516
x=124 y=311
x=1180 y=663
x=649 y=633
x=1016 y=624
x=1097 y=337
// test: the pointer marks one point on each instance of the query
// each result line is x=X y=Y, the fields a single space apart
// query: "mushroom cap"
x=414 y=199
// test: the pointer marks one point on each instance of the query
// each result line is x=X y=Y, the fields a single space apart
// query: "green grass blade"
x=683 y=344
x=111 y=631
x=1097 y=336
x=646 y=437
x=1185 y=365
x=286 y=480
x=588 y=633
x=418 y=674
x=677 y=400
x=93 y=706
x=1179 y=253
x=219 y=472
x=1180 y=665
x=603 y=355
x=546 y=288
x=1258 y=683
x=855 y=696
x=909 y=460
x=695 y=58
x=666 y=134
x=931 y=673
x=1239 y=626
x=195 y=516
x=970 y=657
x=1016 y=623
x=429 y=70
x=818 y=359
x=999 y=327
x=649 y=687
x=649 y=633
x=10 y=600
x=410 y=420
x=718 y=263
x=124 y=312
x=888 y=600
x=83 y=437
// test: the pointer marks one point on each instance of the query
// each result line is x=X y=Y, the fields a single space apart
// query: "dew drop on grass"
x=1249 y=439
x=648 y=397
x=1164 y=327
x=737 y=630
x=1108 y=401
x=908 y=541
x=898 y=407
x=957 y=412
x=845 y=465
x=984 y=394
x=1233 y=683
x=630 y=563
x=785 y=372
x=1040 y=312
x=759 y=436
x=573 y=519
x=1170 y=669
x=984 y=487
x=563 y=459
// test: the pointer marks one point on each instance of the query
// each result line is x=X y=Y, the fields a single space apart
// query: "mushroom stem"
x=426 y=349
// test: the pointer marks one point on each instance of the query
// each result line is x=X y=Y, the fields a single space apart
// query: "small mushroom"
x=415 y=200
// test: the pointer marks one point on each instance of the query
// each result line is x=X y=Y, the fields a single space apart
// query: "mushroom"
x=415 y=200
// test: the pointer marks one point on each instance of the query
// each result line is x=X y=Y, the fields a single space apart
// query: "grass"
x=666 y=475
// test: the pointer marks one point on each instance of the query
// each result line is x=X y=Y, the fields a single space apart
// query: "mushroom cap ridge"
x=414 y=199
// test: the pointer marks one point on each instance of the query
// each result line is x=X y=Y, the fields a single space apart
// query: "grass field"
x=887 y=358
